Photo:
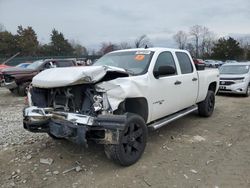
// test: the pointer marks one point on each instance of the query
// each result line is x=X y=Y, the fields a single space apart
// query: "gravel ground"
x=190 y=152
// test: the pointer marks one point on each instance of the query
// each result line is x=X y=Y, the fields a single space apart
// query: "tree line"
x=201 y=42
x=26 y=43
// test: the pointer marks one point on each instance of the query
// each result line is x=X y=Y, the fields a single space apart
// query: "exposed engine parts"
x=82 y=99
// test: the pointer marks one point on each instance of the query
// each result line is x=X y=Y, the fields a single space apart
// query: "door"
x=189 y=80
x=165 y=91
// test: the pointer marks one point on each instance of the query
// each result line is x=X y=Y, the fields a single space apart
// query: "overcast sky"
x=91 y=22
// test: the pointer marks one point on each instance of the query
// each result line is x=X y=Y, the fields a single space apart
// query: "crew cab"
x=17 y=79
x=235 y=78
x=119 y=98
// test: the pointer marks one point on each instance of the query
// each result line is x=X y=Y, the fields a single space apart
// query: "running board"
x=171 y=118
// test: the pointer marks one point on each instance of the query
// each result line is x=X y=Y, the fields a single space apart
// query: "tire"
x=132 y=142
x=247 y=93
x=206 y=107
x=54 y=137
x=22 y=88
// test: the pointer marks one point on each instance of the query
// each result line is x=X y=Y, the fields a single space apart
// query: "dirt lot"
x=190 y=152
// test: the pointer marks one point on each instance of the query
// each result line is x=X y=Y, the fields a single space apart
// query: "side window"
x=164 y=59
x=64 y=63
x=49 y=65
x=185 y=63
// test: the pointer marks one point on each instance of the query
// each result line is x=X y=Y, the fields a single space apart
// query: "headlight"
x=239 y=81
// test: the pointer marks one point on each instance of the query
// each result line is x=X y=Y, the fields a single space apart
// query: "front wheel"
x=22 y=88
x=206 y=107
x=132 y=142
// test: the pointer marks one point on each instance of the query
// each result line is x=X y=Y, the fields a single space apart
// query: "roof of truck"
x=154 y=49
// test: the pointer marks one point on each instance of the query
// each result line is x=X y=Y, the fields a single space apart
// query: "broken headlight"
x=97 y=102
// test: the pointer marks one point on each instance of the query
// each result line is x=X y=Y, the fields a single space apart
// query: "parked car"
x=212 y=63
x=115 y=101
x=231 y=61
x=2 y=66
x=23 y=65
x=199 y=64
x=235 y=78
x=17 y=79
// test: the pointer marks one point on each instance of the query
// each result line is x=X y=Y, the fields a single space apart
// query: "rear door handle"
x=177 y=82
x=194 y=79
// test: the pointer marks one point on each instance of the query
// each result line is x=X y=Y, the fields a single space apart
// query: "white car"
x=212 y=63
x=115 y=101
x=235 y=78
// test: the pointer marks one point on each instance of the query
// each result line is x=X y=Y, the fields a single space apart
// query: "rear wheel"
x=131 y=144
x=206 y=107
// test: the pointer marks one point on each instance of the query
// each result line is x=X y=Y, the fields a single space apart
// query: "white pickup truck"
x=115 y=101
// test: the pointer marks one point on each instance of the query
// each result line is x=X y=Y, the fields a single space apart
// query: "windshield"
x=135 y=62
x=234 y=69
x=35 y=64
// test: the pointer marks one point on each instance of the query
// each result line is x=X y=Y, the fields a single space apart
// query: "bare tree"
x=190 y=47
x=204 y=40
x=107 y=47
x=124 y=45
x=142 y=41
x=181 y=39
x=196 y=32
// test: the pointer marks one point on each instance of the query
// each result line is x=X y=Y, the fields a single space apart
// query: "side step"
x=164 y=121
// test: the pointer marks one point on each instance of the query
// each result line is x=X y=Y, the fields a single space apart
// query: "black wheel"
x=22 y=88
x=206 y=107
x=131 y=144
x=247 y=93
x=54 y=137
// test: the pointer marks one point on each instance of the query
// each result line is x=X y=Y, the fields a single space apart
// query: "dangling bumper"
x=75 y=127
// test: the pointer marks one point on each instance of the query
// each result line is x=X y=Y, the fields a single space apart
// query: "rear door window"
x=185 y=62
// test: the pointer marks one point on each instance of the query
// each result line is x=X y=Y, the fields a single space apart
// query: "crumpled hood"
x=61 y=77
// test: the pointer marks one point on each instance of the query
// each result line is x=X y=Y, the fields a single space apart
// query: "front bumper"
x=237 y=88
x=9 y=85
x=104 y=129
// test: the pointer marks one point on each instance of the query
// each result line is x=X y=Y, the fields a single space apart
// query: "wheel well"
x=212 y=86
x=134 y=105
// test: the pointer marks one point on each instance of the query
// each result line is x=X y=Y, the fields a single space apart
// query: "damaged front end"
x=77 y=113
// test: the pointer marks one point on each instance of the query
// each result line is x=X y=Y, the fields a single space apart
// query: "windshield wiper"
x=129 y=71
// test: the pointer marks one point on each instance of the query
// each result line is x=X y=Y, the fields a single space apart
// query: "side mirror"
x=164 y=71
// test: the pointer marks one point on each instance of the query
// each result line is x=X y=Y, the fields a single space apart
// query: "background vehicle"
x=235 y=78
x=115 y=101
x=212 y=63
x=23 y=65
x=17 y=79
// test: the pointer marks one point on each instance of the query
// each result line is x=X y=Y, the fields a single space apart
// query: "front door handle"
x=194 y=79
x=177 y=82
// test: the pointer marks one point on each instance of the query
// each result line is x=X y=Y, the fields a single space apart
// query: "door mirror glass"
x=164 y=71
